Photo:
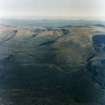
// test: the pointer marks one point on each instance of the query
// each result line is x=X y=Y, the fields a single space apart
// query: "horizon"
x=52 y=18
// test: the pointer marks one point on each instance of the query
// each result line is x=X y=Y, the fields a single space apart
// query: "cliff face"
x=97 y=63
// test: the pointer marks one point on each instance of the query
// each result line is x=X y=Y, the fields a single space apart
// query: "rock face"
x=99 y=43
x=97 y=63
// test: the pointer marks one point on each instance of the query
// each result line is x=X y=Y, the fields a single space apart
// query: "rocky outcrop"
x=96 y=65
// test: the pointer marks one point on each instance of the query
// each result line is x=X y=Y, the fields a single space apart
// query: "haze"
x=52 y=8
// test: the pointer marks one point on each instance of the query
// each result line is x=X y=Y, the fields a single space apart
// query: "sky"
x=52 y=8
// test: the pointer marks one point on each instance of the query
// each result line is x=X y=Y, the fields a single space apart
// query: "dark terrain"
x=52 y=66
